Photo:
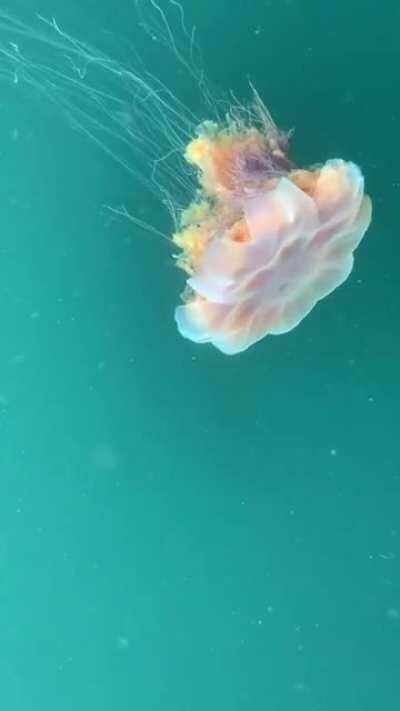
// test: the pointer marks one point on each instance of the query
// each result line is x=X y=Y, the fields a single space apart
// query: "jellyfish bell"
x=269 y=243
x=260 y=240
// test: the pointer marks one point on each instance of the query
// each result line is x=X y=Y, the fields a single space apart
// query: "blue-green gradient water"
x=181 y=530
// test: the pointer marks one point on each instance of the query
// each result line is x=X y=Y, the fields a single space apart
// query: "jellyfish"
x=259 y=240
x=263 y=241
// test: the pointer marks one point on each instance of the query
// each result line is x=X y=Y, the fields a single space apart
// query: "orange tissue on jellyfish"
x=264 y=241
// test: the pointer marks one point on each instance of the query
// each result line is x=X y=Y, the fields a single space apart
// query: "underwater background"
x=181 y=530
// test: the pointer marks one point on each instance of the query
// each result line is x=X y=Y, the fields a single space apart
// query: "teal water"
x=181 y=530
